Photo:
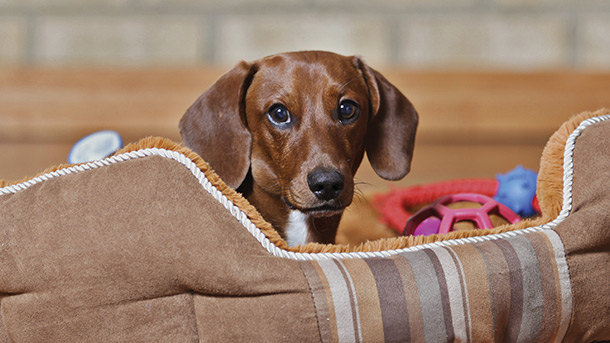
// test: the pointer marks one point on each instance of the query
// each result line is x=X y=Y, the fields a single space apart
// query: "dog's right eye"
x=348 y=111
x=279 y=115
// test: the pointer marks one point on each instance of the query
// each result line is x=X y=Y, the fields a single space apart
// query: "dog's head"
x=300 y=122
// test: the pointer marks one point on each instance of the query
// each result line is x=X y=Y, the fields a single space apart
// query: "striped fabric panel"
x=514 y=290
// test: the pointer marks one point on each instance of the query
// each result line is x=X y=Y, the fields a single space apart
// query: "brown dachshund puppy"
x=290 y=130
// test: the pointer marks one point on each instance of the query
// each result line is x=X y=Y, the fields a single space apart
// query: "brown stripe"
x=367 y=298
x=499 y=285
x=532 y=288
x=352 y=298
x=479 y=295
x=319 y=297
x=429 y=295
x=415 y=318
x=442 y=282
x=546 y=261
x=516 y=294
x=391 y=298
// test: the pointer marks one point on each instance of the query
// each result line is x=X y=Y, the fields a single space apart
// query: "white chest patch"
x=297 y=228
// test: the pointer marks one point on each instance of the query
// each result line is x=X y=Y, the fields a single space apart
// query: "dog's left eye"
x=279 y=115
x=347 y=111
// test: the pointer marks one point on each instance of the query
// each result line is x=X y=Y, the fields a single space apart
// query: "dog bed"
x=150 y=245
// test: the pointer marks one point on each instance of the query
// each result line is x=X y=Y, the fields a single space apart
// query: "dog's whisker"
x=358 y=182
x=273 y=188
x=297 y=198
x=345 y=84
x=313 y=227
x=357 y=205
x=360 y=197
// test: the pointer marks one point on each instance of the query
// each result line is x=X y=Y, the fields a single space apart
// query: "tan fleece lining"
x=550 y=195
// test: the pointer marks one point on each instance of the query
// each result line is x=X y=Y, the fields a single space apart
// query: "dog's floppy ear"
x=215 y=127
x=392 y=124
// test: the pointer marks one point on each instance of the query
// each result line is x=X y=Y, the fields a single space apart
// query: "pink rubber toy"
x=438 y=218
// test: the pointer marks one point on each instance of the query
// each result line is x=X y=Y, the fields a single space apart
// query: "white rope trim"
x=568 y=173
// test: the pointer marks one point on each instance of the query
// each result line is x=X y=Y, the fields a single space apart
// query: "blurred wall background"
x=420 y=34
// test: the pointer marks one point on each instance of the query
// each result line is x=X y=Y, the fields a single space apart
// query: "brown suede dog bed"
x=150 y=245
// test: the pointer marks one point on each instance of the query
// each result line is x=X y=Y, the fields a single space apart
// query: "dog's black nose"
x=326 y=184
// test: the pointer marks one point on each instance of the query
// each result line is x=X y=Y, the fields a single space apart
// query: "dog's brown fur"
x=230 y=127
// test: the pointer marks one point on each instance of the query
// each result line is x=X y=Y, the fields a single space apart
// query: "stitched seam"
x=313 y=301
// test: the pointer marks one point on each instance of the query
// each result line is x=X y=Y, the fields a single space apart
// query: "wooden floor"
x=472 y=125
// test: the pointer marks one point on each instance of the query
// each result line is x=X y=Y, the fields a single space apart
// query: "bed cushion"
x=150 y=245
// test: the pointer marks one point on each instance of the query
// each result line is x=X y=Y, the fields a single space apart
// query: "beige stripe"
x=340 y=293
x=332 y=321
x=368 y=299
x=465 y=296
x=416 y=324
x=479 y=297
x=564 y=281
x=353 y=299
x=557 y=289
x=456 y=299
